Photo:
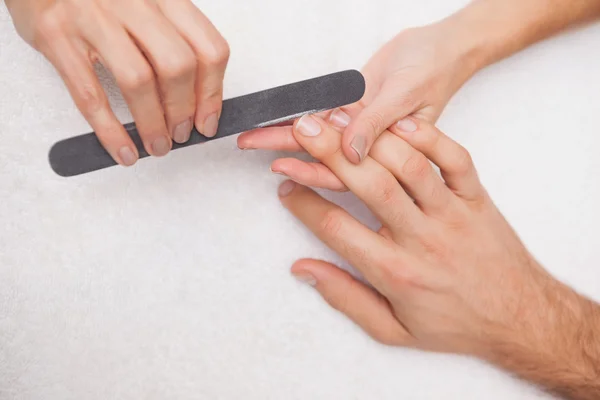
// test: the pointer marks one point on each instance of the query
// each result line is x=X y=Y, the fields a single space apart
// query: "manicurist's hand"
x=416 y=74
x=168 y=60
x=448 y=273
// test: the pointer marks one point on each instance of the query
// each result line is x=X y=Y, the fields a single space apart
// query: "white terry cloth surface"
x=171 y=280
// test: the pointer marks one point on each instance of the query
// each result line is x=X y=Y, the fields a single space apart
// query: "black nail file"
x=82 y=154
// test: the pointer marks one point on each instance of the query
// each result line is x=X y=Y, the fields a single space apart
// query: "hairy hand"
x=447 y=272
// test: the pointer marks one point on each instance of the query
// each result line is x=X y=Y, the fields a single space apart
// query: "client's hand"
x=166 y=56
x=448 y=273
x=416 y=73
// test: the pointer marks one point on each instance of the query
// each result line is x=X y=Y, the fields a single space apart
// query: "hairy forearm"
x=494 y=29
x=556 y=344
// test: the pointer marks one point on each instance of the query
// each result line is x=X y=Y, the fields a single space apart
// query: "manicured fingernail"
x=286 y=188
x=211 y=125
x=339 y=118
x=306 y=278
x=127 y=156
x=308 y=126
x=406 y=125
x=359 y=144
x=181 y=133
x=161 y=146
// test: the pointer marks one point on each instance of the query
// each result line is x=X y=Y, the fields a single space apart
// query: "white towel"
x=171 y=280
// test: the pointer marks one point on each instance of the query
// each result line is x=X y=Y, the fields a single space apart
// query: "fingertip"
x=286 y=188
x=310 y=271
x=160 y=146
x=278 y=169
x=210 y=125
x=356 y=150
x=127 y=157
x=302 y=272
x=355 y=144
x=244 y=141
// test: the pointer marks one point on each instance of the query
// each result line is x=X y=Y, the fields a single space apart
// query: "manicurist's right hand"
x=167 y=58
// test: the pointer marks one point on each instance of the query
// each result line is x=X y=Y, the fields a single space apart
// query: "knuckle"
x=217 y=54
x=462 y=162
x=429 y=139
x=90 y=98
x=331 y=223
x=406 y=100
x=136 y=79
x=50 y=25
x=326 y=149
x=383 y=187
x=375 y=121
x=415 y=167
x=359 y=255
x=178 y=67
x=386 y=194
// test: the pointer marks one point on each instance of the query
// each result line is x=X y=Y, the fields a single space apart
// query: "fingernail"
x=181 y=133
x=161 y=146
x=339 y=118
x=286 y=188
x=306 y=278
x=308 y=126
x=245 y=146
x=359 y=144
x=406 y=125
x=127 y=156
x=211 y=125
x=277 y=172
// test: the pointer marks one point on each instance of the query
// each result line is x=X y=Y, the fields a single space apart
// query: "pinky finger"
x=364 y=306
x=309 y=174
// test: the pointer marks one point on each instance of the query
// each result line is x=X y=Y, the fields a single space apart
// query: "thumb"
x=388 y=107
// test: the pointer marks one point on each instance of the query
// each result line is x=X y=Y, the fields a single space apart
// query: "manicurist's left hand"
x=414 y=74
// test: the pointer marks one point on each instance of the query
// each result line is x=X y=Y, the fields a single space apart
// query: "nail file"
x=82 y=154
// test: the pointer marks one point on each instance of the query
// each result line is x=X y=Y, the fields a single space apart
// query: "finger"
x=371 y=182
x=275 y=138
x=89 y=97
x=414 y=171
x=174 y=64
x=364 y=306
x=134 y=76
x=279 y=137
x=355 y=242
x=390 y=105
x=454 y=161
x=212 y=53
x=314 y=175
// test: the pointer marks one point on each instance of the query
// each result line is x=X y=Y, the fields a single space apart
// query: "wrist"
x=553 y=342
x=472 y=43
